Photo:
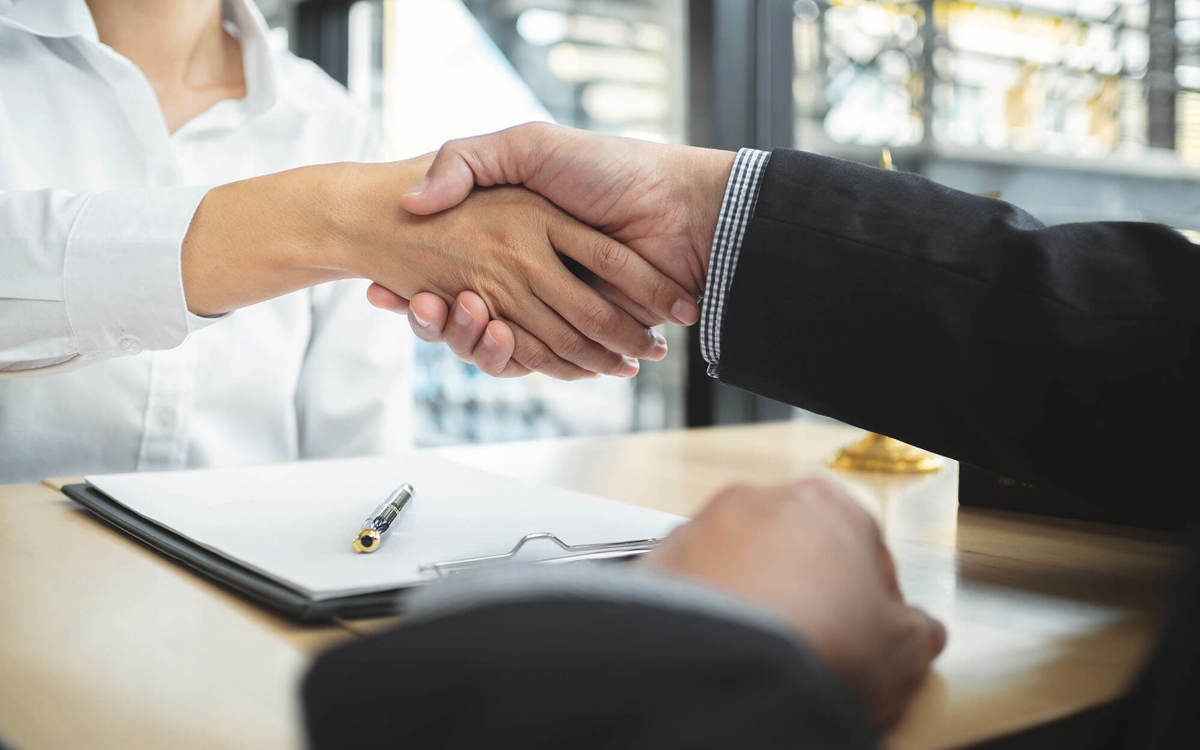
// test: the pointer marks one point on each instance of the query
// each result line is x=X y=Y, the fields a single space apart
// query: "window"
x=439 y=69
x=1084 y=78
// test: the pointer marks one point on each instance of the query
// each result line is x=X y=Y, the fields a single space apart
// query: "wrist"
x=359 y=213
x=256 y=239
x=709 y=170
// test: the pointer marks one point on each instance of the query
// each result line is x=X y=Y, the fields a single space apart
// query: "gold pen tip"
x=366 y=540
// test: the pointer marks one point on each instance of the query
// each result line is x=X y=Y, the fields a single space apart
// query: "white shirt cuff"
x=123 y=286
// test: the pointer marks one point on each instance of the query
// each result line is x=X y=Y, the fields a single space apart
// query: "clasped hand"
x=659 y=201
x=510 y=247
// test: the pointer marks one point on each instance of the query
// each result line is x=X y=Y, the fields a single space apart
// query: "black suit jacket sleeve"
x=1064 y=355
x=574 y=674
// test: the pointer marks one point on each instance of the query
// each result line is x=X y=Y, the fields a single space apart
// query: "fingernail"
x=462 y=316
x=488 y=342
x=417 y=190
x=660 y=346
x=421 y=322
x=629 y=367
x=685 y=312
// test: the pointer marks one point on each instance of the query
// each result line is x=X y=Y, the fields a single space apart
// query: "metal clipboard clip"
x=574 y=552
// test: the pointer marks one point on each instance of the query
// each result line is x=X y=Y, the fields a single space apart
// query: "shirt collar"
x=49 y=18
x=258 y=61
x=71 y=18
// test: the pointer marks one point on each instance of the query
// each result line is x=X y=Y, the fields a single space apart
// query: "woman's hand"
x=468 y=331
x=259 y=238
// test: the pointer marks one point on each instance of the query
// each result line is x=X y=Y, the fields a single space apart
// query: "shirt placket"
x=169 y=407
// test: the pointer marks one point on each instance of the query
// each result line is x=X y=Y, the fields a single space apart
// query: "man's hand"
x=810 y=553
x=662 y=201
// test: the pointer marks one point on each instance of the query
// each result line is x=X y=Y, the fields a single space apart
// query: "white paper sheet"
x=295 y=522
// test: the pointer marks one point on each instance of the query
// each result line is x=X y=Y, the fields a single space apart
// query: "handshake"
x=634 y=220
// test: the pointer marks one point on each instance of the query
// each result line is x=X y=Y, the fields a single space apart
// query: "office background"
x=1072 y=109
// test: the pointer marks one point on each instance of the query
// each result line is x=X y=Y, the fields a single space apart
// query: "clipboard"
x=295 y=604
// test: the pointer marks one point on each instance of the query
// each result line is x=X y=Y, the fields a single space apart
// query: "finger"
x=918 y=639
x=887 y=568
x=531 y=353
x=626 y=270
x=610 y=293
x=613 y=329
x=934 y=633
x=923 y=639
x=469 y=317
x=427 y=315
x=494 y=353
x=621 y=300
x=569 y=344
x=385 y=299
x=509 y=156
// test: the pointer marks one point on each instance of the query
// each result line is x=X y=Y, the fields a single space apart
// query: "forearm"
x=264 y=237
x=1061 y=355
x=589 y=659
x=88 y=276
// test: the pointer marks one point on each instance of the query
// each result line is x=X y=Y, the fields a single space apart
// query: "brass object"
x=877 y=452
x=371 y=539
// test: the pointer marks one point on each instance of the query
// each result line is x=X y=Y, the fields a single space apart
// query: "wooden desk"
x=104 y=644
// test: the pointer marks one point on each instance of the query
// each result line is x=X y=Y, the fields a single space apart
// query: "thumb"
x=447 y=183
x=507 y=157
x=385 y=299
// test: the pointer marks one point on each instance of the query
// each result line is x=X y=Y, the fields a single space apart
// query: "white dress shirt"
x=102 y=368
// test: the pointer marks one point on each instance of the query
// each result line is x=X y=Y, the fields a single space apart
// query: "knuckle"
x=610 y=257
x=595 y=320
x=663 y=291
x=536 y=358
x=730 y=498
x=490 y=367
x=537 y=128
x=454 y=146
x=571 y=345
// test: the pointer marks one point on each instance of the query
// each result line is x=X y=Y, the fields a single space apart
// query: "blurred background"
x=1071 y=109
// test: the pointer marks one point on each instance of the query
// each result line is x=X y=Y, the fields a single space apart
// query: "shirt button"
x=166 y=420
x=130 y=345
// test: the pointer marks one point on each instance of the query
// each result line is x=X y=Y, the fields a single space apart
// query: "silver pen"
x=373 y=529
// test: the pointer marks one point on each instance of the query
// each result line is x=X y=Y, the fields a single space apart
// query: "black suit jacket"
x=1062 y=355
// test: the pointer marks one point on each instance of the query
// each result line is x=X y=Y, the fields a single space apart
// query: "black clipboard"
x=232 y=575
x=296 y=605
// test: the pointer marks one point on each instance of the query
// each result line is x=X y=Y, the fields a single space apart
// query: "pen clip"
x=575 y=552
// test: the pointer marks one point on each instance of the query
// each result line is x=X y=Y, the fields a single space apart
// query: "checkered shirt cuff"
x=741 y=193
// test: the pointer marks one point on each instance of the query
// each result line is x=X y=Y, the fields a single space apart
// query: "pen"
x=373 y=529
